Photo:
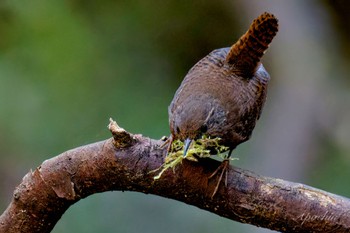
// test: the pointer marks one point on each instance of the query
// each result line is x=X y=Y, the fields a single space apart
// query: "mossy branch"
x=125 y=162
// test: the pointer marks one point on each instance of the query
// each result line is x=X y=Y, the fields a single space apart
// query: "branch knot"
x=122 y=138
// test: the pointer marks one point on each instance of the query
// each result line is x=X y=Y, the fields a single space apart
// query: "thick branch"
x=125 y=162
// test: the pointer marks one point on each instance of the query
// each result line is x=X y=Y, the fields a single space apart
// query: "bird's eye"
x=204 y=128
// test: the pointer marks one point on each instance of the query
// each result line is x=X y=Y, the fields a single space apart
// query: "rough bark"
x=125 y=162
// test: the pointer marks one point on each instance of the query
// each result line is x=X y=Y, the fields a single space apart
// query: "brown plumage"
x=224 y=93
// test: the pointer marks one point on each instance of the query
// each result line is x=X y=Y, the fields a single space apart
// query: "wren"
x=224 y=93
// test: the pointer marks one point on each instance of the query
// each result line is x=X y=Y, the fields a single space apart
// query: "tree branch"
x=125 y=162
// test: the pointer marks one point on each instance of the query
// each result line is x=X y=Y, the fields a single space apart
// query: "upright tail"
x=246 y=53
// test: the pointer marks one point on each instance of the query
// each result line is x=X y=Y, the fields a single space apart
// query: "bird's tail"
x=246 y=53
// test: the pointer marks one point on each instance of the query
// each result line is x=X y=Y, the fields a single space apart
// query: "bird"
x=222 y=95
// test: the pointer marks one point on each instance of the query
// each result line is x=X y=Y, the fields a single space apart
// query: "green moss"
x=199 y=149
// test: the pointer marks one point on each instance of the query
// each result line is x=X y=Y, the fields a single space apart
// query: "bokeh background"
x=67 y=66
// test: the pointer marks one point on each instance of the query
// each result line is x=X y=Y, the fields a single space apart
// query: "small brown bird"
x=224 y=93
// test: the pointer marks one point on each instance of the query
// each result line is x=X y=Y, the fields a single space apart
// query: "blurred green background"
x=67 y=66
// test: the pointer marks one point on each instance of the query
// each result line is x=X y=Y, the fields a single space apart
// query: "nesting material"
x=203 y=147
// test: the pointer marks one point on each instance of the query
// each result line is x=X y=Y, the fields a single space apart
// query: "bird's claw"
x=224 y=171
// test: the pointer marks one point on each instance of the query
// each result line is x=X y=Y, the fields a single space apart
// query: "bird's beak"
x=187 y=143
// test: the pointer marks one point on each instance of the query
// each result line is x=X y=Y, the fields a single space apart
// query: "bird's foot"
x=224 y=172
x=168 y=141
